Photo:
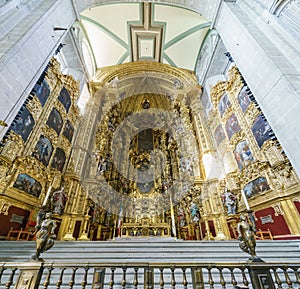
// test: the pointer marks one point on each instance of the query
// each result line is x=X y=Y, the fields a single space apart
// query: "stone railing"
x=59 y=275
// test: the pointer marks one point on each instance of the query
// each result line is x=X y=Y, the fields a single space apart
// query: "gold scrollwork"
x=4 y=207
x=35 y=108
x=33 y=167
x=251 y=113
x=277 y=209
x=14 y=146
x=237 y=137
x=234 y=83
x=51 y=134
x=253 y=171
x=217 y=91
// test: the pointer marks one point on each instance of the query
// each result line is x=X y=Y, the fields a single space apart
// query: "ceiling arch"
x=126 y=32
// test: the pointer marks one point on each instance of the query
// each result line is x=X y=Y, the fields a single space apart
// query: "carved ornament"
x=253 y=171
x=35 y=108
x=277 y=209
x=14 y=146
x=33 y=167
x=217 y=91
x=251 y=113
x=234 y=83
x=4 y=207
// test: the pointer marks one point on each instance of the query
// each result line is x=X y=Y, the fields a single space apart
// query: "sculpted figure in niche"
x=59 y=199
x=230 y=201
x=181 y=217
x=195 y=214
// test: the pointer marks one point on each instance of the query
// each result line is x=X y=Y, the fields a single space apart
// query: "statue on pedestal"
x=44 y=236
x=246 y=236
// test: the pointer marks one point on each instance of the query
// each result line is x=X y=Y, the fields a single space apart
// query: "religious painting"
x=219 y=134
x=55 y=121
x=43 y=150
x=256 y=186
x=59 y=159
x=232 y=126
x=261 y=130
x=223 y=104
x=42 y=91
x=243 y=154
x=65 y=99
x=23 y=124
x=28 y=184
x=244 y=99
x=68 y=131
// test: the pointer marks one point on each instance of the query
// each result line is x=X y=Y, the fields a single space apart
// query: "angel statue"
x=45 y=235
x=246 y=236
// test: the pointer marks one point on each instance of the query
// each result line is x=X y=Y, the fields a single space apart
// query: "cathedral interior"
x=154 y=119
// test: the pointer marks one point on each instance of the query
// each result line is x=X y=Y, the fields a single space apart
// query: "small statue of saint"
x=230 y=201
x=58 y=200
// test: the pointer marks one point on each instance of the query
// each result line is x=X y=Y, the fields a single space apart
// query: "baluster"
x=1 y=272
x=184 y=281
x=84 y=281
x=173 y=282
x=112 y=278
x=277 y=279
x=233 y=280
x=161 y=279
x=59 y=282
x=72 y=281
x=287 y=278
x=210 y=279
x=135 y=281
x=245 y=281
x=222 y=280
x=47 y=281
x=124 y=277
x=297 y=276
x=11 y=278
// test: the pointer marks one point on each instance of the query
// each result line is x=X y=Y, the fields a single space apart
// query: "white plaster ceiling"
x=120 y=33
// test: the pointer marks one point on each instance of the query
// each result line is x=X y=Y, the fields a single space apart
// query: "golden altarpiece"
x=145 y=158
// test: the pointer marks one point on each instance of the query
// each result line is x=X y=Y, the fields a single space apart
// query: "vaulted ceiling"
x=120 y=33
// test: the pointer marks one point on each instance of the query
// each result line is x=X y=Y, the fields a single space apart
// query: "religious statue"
x=58 y=200
x=44 y=236
x=246 y=236
x=230 y=201
x=181 y=217
x=195 y=214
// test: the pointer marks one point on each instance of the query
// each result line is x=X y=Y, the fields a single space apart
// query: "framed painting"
x=28 y=184
x=58 y=159
x=261 y=130
x=42 y=91
x=43 y=150
x=223 y=104
x=244 y=99
x=256 y=187
x=219 y=134
x=55 y=121
x=68 y=131
x=23 y=125
x=232 y=126
x=243 y=154
x=64 y=98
